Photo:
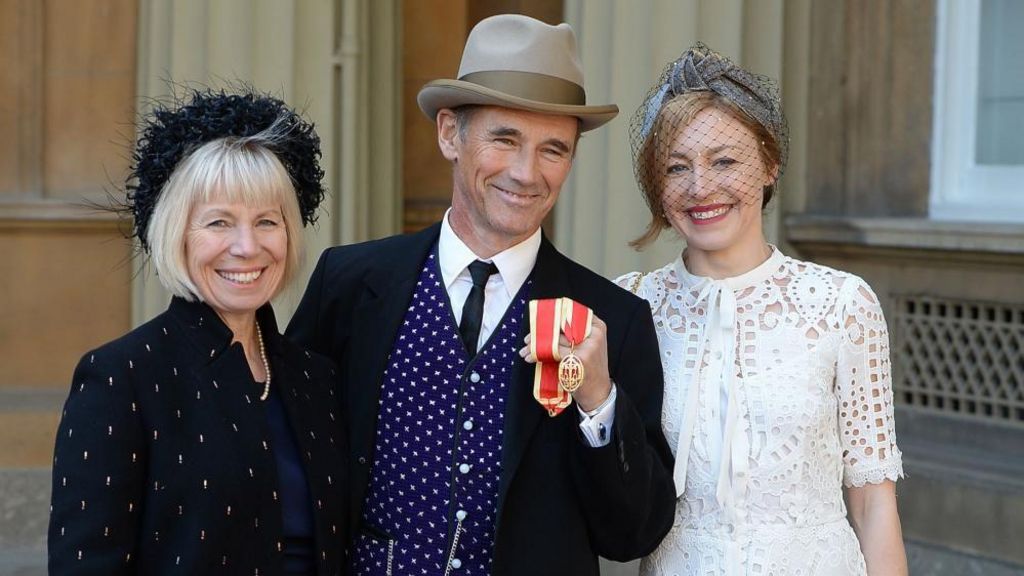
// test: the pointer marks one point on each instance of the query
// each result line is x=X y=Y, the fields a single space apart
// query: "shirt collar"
x=514 y=263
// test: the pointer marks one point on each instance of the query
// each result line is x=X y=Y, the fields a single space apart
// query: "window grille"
x=960 y=357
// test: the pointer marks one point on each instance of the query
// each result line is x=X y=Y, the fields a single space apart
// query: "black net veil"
x=708 y=137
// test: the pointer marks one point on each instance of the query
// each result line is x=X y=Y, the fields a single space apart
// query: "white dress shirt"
x=514 y=266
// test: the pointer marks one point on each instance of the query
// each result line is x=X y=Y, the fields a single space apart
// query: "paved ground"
x=24 y=509
x=22 y=563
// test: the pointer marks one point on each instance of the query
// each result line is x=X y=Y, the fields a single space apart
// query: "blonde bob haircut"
x=229 y=169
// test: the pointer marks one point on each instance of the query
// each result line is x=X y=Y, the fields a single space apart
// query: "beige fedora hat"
x=515 y=61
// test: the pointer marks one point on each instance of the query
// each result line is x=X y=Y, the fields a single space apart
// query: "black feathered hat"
x=170 y=132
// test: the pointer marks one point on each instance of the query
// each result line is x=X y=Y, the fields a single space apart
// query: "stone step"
x=23 y=562
x=925 y=558
x=24 y=514
x=28 y=422
x=963 y=496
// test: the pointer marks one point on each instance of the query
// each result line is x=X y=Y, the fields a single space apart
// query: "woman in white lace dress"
x=778 y=399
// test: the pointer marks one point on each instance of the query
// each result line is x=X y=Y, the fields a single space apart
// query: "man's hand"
x=593 y=352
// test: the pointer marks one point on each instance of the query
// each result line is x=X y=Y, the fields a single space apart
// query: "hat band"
x=530 y=86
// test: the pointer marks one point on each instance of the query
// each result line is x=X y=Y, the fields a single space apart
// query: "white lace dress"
x=777 y=394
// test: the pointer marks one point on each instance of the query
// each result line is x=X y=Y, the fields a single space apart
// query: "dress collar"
x=514 y=264
x=754 y=276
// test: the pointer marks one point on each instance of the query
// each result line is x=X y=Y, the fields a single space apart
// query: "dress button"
x=464 y=468
x=460 y=515
x=718 y=355
x=362 y=459
x=456 y=563
x=467 y=425
x=474 y=377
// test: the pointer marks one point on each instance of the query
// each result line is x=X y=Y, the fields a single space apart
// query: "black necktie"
x=473 y=310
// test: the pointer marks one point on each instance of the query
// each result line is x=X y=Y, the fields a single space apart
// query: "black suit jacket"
x=561 y=503
x=163 y=462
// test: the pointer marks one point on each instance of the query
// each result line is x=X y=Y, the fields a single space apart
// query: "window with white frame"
x=978 y=129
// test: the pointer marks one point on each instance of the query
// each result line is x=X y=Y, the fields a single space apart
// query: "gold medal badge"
x=557 y=377
x=570 y=373
x=577 y=320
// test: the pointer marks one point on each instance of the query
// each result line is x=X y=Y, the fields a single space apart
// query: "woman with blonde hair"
x=778 y=399
x=203 y=442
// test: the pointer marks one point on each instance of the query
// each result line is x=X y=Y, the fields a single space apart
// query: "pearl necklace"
x=266 y=365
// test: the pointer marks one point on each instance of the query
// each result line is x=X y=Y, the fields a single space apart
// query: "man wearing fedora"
x=456 y=468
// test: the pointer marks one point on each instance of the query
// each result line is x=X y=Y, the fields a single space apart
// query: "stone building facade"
x=906 y=125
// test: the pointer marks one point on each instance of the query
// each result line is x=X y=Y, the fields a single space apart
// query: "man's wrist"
x=604 y=404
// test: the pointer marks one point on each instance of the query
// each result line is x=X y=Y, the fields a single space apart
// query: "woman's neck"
x=244 y=331
x=732 y=261
x=242 y=326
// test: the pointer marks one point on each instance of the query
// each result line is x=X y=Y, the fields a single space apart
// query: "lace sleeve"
x=864 y=386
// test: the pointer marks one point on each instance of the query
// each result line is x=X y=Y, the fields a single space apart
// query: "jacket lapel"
x=291 y=381
x=375 y=323
x=376 y=320
x=523 y=414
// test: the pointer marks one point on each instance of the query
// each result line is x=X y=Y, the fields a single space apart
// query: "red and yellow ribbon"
x=549 y=318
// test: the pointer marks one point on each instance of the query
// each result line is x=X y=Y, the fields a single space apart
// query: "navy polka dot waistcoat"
x=432 y=498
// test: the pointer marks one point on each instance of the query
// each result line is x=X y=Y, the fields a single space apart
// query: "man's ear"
x=448 y=134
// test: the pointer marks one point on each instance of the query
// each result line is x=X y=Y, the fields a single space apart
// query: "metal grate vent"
x=960 y=357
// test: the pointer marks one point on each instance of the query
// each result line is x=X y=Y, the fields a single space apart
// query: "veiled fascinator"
x=703 y=104
x=173 y=130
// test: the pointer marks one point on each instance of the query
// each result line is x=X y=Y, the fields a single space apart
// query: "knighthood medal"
x=556 y=377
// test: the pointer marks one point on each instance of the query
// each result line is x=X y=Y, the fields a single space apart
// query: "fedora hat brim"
x=440 y=94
